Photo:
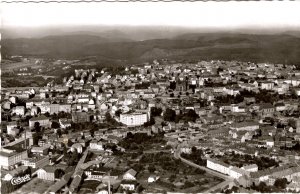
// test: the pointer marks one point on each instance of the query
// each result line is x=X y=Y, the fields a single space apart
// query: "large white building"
x=245 y=126
x=218 y=166
x=8 y=157
x=134 y=119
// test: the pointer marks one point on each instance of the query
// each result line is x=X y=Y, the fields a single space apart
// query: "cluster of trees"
x=261 y=162
x=87 y=126
x=150 y=122
x=61 y=114
x=165 y=161
x=262 y=96
x=155 y=111
x=278 y=186
x=195 y=156
x=190 y=115
x=169 y=115
x=143 y=85
x=111 y=121
x=138 y=141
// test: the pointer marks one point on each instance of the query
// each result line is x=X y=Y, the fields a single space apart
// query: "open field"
x=10 y=65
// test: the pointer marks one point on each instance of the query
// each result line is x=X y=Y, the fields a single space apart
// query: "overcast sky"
x=187 y=14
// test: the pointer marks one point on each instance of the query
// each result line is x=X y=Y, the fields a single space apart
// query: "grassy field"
x=10 y=66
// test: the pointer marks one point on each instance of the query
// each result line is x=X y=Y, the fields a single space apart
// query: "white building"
x=236 y=172
x=130 y=175
x=134 y=119
x=245 y=126
x=8 y=158
x=11 y=125
x=217 y=166
x=250 y=168
x=96 y=145
x=267 y=85
x=20 y=110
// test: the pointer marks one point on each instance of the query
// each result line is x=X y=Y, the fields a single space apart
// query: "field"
x=8 y=66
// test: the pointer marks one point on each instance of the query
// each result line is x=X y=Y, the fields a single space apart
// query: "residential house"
x=130 y=175
x=96 y=145
x=42 y=120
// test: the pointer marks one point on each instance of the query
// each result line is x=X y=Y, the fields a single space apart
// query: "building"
x=53 y=189
x=245 y=126
x=96 y=145
x=267 y=110
x=42 y=120
x=40 y=150
x=130 y=175
x=236 y=172
x=10 y=126
x=153 y=178
x=49 y=173
x=10 y=157
x=128 y=185
x=298 y=126
x=217 y=166
x=251 y=168
x=54 y=108
x=80 y=117
x=134 y=119
x=65 y=108
x=14 y=173
x=64 y=123
x=267 y=85
x=20 y=110
x=34 y=110
x=36 y=162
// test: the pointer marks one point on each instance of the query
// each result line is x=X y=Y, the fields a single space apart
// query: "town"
x=201 y=127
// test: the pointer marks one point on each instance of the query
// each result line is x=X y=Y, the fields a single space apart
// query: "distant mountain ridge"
x=117 y=46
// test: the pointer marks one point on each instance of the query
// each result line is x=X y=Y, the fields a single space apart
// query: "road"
x=81 y=161
x=227 y=179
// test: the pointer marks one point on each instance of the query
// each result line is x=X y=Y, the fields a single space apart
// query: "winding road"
x=227 y=179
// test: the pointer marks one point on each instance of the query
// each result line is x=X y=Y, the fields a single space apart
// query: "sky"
x=187 y=14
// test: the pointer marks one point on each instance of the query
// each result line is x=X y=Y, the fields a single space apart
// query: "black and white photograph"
x=120 y=96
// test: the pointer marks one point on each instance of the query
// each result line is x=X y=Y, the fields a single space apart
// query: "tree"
x=173 y=85
x=151 y=168
x=70 y=143
x=150 y=122
x=280 y=183
x=118 y=112
x=139 y=189
x=155 y=111
x=37 y=127
x=55 y=125
x=59 y=132
x=169 y=115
